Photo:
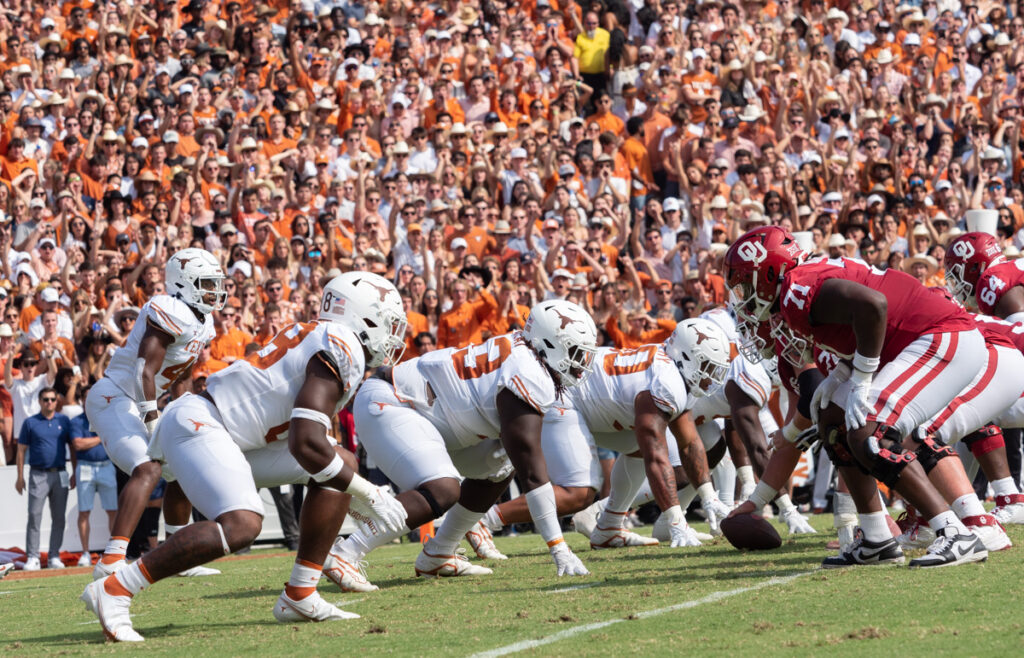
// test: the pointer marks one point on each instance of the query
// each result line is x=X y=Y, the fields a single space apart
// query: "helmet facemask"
x=793 y=348
x=209 y=294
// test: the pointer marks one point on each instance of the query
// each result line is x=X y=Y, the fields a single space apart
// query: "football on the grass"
x=751 y=532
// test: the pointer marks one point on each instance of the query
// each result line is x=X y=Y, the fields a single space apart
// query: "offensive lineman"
x=265 y=422
x=168 y=337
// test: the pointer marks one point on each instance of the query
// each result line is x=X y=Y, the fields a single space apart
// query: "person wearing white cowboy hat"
x=836 y=21
x=921 y=266
x=751 y=113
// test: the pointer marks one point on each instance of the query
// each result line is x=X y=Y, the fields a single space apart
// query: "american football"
x=751 y=532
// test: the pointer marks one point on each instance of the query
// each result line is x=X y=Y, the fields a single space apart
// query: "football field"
x=707 y=601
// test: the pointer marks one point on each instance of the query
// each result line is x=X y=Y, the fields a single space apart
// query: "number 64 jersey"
x=464 y=385
x=255 y=397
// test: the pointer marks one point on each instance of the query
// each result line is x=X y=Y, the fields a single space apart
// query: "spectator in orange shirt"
x=463 y=324
x=643 y=329
x=229 y=345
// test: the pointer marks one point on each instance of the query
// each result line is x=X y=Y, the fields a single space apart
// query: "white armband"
x=146 y=406
x=313 y=415
x=865 y=363
x=330 y=470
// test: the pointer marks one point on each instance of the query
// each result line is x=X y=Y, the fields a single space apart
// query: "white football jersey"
x=606 y=398
x=752 y=378
x=255 y=397
x=466 y=382
x=176 y=318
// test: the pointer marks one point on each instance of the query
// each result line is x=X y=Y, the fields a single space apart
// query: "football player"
x=628 y=403
x=906 y=354
x=438 y=421
x=264 y=422
x=157 y=358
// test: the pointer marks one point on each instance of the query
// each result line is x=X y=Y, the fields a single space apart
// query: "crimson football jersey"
x=1000 y=332
x=995 y=282
x=913 y=310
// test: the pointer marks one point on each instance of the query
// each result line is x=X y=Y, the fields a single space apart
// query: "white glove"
x=857 y=406
x=566 y=561
x=679 y=530
x=378 y=510
x=823 y=394
x=797 y=523
x=714 y=509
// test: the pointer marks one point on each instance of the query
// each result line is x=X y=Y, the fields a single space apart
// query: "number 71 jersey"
x=256 y=396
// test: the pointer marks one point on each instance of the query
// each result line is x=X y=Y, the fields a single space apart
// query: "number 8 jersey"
x=175 y=318
x=466 y=383
x=255 y=397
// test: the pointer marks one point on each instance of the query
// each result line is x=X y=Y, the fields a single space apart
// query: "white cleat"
x=482 y=541
x=5 y=569
x=1010 y=509
x=349 y=576
x=196 y=572
x=54 y=563
x=112 y=610
x=85 y=560
x=618 y=538
x=989 y=531
x=102 y=570
x=31 y=564
x=429 y=565
x=585 y=520
x=311 y=608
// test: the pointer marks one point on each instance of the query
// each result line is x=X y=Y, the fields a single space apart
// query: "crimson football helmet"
x=967 y=257
x=755 y=342
x=754 y=267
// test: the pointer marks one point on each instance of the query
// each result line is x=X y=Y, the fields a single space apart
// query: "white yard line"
x=349 y=602
x=586 y=628
x=570 y=589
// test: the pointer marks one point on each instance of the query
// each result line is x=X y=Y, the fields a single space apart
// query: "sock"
x=360 y=542
x=457 y=522
x=724 y=477
x=305 y=576
x=170 y=529
x=1004 y=487
x=968 y=505
x=116 y=548
x=686 y=496
x=644 y=496
x=946 y=519
x=133 y=578
x=627 y=477
x=875 y=527
x=492 y=519
x=785 y=503
x=745 y=476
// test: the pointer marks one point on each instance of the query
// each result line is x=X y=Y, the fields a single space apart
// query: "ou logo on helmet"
x=963 y=249
x=752 y=252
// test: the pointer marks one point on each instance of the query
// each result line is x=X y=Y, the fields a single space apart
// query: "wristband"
x=329 y=471
x=674 y=515
x=865 y=363
x=706 y=492
x=860 y=376
x=790 y=431
x=763 y=494
x=146 y=406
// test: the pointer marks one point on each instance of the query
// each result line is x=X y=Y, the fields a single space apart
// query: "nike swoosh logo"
x=866 y=552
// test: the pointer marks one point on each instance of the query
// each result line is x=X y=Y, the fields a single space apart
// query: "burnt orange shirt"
x=462 y=326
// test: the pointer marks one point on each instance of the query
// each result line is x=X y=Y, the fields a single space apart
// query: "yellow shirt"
x=590 y=52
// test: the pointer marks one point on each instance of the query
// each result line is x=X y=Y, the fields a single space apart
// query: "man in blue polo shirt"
x=94 y=474
x=45 y=437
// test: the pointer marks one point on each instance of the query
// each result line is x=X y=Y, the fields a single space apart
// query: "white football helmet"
x=368 y=305
x=195 y=276
x=565 y=337
x=700 y=349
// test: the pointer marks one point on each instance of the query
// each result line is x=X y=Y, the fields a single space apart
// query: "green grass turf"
x=967 y=610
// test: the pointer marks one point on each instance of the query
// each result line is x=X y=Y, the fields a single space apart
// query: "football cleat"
x=915 y=531
x=951 y=548
x=618 y=538
x=101 y=570
x=864 y=552
x=111 y=606
x=988 y=529
x=1010 y=509
x=311 y=608
x=195 y=572
x=585 y=520
x=6 y=569
x=482 y=541
x=349 y=576
x=429 y=565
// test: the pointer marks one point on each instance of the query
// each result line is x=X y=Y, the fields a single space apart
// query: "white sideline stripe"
x=586 y=628
x=353 y=601
x=570 y=589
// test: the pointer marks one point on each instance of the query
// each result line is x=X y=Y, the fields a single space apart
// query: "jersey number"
x=988 y=295
x=475 y=361
x=173 y=373
x=627 y=362
x=284 y=341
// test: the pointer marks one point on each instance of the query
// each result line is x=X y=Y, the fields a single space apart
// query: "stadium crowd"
x=482 y=155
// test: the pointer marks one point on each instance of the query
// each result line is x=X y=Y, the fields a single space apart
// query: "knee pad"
x=886 y=459
x=833 y=440
x=931 y=452
x=435 y=507
x=985 y=440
